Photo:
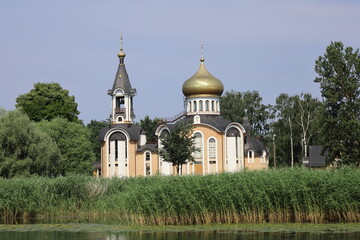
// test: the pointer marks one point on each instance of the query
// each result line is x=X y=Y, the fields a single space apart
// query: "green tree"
x=47 y=101
x=285 y=128
x=2 y=111
x=72 y=138
x=24 y=149
x=339 y=78
x=295 y=126
x=236 y=105
x=178 y=147
x=150 y=127
x=94 y=128
x=308 y=110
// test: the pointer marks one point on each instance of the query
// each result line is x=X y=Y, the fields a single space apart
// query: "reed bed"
x=284 y=195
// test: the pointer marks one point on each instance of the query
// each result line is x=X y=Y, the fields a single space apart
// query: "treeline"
x=285 y=195
x=292 y=123
x=295 y=122
x=44 y=136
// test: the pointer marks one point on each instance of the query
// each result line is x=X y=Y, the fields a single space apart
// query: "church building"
x=224 y=146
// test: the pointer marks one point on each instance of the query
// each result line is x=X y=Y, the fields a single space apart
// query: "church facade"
x=223 y=146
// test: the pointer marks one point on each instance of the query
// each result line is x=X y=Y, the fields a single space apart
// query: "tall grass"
x=285 y=195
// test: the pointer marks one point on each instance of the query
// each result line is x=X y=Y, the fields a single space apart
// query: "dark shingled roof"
x=152 y=147
x=132 y=129
x=316 y=159
x=122 y=81
x=255 y=145
x=215 y=121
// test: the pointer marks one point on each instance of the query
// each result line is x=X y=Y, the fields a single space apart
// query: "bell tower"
x=122 y=94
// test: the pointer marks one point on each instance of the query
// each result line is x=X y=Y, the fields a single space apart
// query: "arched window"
x=147 y=163
x=198 y=145
x=189 y=106
x=263 y=157
x=213 y=106
x=207 y=105
x=195 y=107
x=147 y=156
x=250 y=156
x=217 y=106
x=116 y=137
x=200 y=105
x=120 y=119
x=212 y=148
x=233 y=132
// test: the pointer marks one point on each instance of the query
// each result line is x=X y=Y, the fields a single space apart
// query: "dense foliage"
x=94 y=128
x=24 y=149
x=285 y=195
x=339 y=77
x=72 y=139
x=47 y=101
x=149 y=126
x=47 y=148
x=237 y=105
x=296 y=127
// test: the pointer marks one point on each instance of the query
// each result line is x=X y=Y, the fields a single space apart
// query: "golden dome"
x=202 y=84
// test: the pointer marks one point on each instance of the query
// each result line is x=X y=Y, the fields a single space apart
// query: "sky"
x=262 y=45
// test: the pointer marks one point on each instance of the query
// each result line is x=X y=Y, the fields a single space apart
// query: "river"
x=228 y=232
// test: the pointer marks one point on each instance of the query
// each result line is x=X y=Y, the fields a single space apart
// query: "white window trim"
x=146 y=162
x=252 y=158
x=216 y=154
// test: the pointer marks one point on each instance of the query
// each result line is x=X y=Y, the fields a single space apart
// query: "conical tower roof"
x=122 y=78
x=202 y=84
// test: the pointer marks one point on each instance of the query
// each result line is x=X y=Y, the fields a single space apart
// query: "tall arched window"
x=212 y=148
x=213 y=106
x=207 y=105
x=147 y=164
x=195 y=107
x=200 y=105
x=198 y=145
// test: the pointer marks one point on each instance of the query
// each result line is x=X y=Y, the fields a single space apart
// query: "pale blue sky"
x=269 y=46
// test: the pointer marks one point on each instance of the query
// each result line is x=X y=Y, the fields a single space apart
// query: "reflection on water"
x=188 y=235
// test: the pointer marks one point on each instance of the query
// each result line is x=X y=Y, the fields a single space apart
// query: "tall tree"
x=236 y=105
x=150 y=125
x=24 y=149
x=47 y=101
x=178 y=147
x=72 y=138
x=339 y=78
x=308 y=112
x=285 y=109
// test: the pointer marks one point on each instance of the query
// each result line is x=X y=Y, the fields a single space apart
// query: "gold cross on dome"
x=202 y=50
x=121 y=42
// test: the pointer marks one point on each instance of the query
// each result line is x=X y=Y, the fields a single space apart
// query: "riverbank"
x=261 y=227
x=285 y=195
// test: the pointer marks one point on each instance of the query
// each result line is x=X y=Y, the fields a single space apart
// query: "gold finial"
x=121 y=54
x=202 y=52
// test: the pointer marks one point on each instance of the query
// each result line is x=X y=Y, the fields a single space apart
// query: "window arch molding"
x=199 y=143
x=250 y=156
x=147 y=163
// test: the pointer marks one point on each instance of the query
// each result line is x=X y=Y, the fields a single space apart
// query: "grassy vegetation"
x=285 y=195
